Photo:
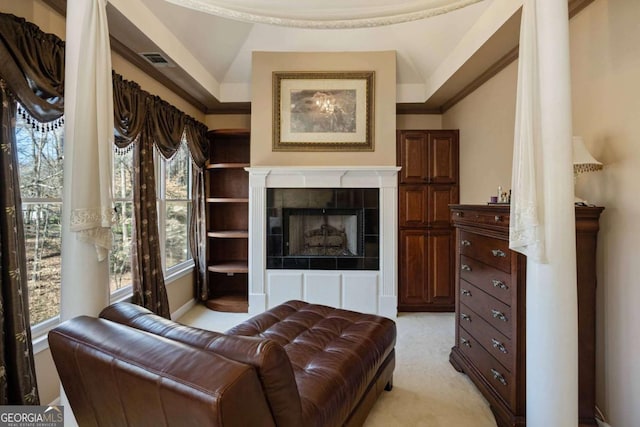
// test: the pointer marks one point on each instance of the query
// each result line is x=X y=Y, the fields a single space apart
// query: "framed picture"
x=323 y=111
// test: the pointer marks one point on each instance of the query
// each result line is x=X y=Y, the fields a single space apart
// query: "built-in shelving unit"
x=227 y=219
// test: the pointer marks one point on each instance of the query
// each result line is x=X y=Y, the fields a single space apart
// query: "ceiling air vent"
x=157 y=59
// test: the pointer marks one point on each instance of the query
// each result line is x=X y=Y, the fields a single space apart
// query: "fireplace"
x=355 y=273
x=323 y=228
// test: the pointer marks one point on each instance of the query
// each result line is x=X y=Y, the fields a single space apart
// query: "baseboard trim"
x=183 y=310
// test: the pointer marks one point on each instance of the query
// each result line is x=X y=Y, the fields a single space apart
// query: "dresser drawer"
x=496 y=375
x=491 y=251
x=498 y=219
x=490 y=338
x=491 y=280
x=496 y=313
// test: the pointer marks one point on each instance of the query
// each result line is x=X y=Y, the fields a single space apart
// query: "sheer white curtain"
x=89 y=137
x=542 y=213
x=89 y=131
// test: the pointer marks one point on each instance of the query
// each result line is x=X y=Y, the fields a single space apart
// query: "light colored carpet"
x=427 y=391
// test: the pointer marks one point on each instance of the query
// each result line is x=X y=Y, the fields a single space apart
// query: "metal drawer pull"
x=498 y=376
x=465 y=243
x=465 y=292
x=499 y=284
x=497 y=218
x=465 y=342
x=499 y=315
x=465 y=267
x=497 y=344
x=465 y=317
x=498 y=253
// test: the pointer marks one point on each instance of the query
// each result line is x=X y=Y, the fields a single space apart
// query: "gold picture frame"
x=323 y=111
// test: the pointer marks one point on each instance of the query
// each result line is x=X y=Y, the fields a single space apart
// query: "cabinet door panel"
x=443 y=157
x=439 y=198
x=426 y=269
x=413 y=206
x=413 y=287
x=440 y=262
x=412 y=156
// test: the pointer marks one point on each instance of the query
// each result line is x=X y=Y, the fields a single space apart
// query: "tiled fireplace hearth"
x=326 y=235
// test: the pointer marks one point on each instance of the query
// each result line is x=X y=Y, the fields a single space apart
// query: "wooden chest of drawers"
x=490 y=309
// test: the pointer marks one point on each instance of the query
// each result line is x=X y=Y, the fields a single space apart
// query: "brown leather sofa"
x=295 y=365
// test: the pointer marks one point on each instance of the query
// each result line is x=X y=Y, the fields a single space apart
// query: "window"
x=120 y=255
x=40 y=171
x=174 y=208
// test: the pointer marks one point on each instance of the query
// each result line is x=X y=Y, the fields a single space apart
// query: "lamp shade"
x=583 y=161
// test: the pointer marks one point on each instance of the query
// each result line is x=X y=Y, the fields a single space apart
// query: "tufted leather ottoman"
x=341 y=359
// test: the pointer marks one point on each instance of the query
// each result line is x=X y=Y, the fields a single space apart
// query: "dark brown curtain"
x=32 y=72
x=17 y=370
x=129 y=110
x=151 y=122
x=196 y=136
x=148 y=281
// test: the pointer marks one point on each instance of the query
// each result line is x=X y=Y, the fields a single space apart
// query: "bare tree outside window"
x=40 y=162
x=120 y=255
x=177 y=207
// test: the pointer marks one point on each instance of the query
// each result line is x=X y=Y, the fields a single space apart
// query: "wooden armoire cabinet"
x=227 y=187
x=427 y=185
x=491 y=310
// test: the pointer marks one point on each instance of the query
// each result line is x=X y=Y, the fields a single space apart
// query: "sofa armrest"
x=112 y=372
x=268 y=358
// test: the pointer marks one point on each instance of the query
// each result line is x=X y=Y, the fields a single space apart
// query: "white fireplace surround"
x=360 y=290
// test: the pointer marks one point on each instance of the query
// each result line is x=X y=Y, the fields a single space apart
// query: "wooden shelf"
x=227 y=197
x=228 y=165
x=229 y=303
x=227 y=200
x=230 y=267
x=229 y=234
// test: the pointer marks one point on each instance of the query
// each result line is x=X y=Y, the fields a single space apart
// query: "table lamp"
x=583 y=162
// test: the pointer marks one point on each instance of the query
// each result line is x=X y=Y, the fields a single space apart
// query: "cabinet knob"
x=499 y=284
x=465 y=243
x=465 y=292
x=497 y=218
x=498 y=376
x=497 y=344
x=465 y=342
x=498 y=253
x=499 y=315
x=465 y=267
x=465 y=317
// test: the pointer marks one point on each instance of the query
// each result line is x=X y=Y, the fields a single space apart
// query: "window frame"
x=184 y=267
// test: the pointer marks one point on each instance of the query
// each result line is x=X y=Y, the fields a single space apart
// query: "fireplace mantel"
x=366 y=291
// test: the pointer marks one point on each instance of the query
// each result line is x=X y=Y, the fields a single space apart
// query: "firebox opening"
x=323 y=228
x=323 y=232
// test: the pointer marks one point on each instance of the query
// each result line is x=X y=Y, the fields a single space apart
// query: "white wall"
x=486 y=119
x=605 y=61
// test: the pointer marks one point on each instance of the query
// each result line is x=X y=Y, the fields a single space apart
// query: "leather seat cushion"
x=335 y=354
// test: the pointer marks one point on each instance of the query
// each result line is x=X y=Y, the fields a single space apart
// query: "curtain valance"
x=33 y=68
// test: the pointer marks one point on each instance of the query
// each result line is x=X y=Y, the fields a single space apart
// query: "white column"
x=552 y=319
x=388 y=298
x=257 y=241
x=85 y=280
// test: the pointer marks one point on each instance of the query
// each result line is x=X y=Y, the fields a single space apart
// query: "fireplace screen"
x=322 y=232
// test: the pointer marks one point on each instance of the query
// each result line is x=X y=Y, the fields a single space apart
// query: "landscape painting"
x=323 y=111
